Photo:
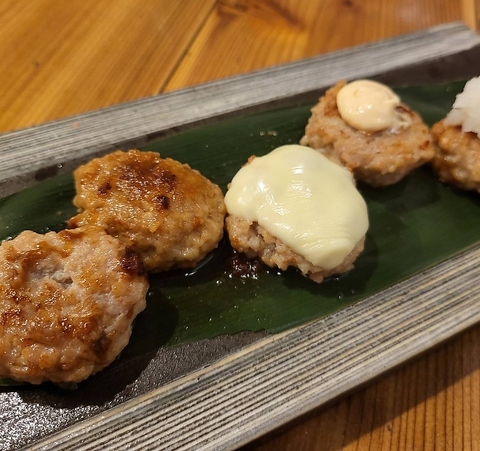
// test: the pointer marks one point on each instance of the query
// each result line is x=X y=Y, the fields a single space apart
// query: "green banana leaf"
x=413 y=225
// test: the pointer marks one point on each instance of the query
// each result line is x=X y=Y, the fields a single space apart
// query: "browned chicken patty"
x=376 y=158
x=457 y=156
x=165 y=211
x=67 y=303
x=255 y=241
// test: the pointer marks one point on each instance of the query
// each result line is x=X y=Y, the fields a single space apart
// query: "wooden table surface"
x=60 y=58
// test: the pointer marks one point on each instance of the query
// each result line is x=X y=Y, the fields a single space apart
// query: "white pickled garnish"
x=466 y=108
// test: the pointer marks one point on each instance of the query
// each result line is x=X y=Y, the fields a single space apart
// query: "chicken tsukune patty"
x=457 y=140
x=457 y=156
x=67 y=303
x=255 y=241
x=364 y=126
x=294 y=207
x=165 y=211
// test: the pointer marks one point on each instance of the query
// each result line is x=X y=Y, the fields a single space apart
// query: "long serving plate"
x=224 y=392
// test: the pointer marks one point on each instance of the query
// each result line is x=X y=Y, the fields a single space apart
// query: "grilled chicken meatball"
x=166 y=212
x=67 y=303
x=378 y=158
x=294 y=207
x=457 y=140
x=254 y=240
x=457 y=156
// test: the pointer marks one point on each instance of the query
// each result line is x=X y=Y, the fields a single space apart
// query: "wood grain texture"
x=429 y=404
x=62 y=58
x=471 y=13
x=243 y=35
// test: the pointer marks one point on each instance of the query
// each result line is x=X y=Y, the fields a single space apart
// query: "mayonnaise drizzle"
x=370 y=106
x=308 y=202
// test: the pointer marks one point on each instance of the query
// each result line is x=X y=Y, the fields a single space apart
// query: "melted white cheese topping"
x=369 y=106
x=302 y=198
